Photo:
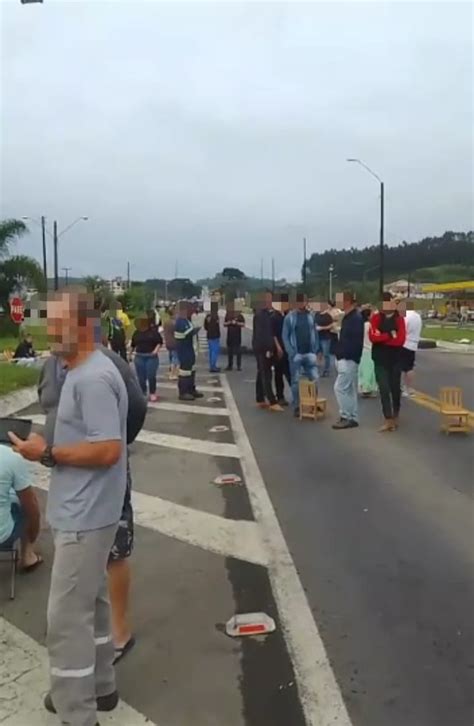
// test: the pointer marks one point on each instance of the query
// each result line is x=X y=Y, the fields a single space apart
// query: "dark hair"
x=387 y=296
x=366 y=313
x=332 y=303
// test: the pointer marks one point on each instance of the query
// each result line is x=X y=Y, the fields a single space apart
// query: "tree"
x=103 y=296
x=16 y=271
x=233 y=273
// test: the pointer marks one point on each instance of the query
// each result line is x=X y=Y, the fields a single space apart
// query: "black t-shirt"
x=145 y=341
x=234 y=331
x=211 y=324
x=324 y=319
x=24 y=350
x=277 y=325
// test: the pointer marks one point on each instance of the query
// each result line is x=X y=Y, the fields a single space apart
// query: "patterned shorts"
x=123 y=543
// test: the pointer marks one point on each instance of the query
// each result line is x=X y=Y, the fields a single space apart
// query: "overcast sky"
x=215 y=134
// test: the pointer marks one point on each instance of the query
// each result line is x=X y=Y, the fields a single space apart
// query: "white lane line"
x=186 y=443
x=227 y=537
x=174 y=387
x=173 y=441
x=24 y=681
x=319 y=692
x=189 y=408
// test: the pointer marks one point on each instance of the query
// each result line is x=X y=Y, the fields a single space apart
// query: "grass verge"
x=13 y=377
x=452 y=335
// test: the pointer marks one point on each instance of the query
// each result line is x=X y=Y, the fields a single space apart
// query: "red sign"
x=17 y=310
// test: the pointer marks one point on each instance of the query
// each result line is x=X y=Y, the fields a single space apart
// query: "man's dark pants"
x=388 y=377
x=263 y=383
x=234 y=349
x=282 y=370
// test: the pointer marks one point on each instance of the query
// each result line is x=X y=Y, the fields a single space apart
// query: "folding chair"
x=454 y=417
x=12 y=551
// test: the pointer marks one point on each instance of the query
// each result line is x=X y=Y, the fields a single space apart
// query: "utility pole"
x=66 y=271
x=128 y=275
x=55 y=249
x=382 y=254
x=331 y=270
x=261 y=270
x=176 y=269
x=45 y=265
x=273 y=274
x=304 y=264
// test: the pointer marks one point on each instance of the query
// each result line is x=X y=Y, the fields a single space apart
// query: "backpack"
x=137 y=404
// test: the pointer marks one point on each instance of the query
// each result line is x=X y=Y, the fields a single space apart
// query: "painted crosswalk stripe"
x=189 y=408
x=25 y=681
x=173 y=441
x=228 y=537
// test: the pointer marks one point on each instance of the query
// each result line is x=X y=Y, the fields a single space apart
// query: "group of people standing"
x=372 y=350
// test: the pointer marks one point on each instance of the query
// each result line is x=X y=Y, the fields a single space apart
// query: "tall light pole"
x=304 y=264
x=42 y=223
x=331 y=270
x=66 y=271
x=56 y=237
x=381 y=243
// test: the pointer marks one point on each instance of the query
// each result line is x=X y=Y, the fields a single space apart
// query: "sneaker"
x=229 y=368
x=343 y=423
x=283 y=402
x=296 y=413
x=186 y=397
x=104 y=703
x=276 y=407
x=197 y=394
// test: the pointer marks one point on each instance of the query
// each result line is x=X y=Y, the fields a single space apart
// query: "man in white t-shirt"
x=413 y=324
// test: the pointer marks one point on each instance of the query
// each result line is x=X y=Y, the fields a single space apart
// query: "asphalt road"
x=381 y=531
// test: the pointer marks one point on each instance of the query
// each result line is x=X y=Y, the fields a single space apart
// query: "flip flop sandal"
x=31 y=568
x=122 y=652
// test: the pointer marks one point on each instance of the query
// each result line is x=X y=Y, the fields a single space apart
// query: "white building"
x=117 y=286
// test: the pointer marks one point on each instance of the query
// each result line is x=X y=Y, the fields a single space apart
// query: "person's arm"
x=206 y=323
x=240 y=321
x=285 y=334
x=375 y=335
x=30 y=508
x=159 y=343
x=399 y=337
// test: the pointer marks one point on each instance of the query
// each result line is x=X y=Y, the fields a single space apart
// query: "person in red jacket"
x=387 y=334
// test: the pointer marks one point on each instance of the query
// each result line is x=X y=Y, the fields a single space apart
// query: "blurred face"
x=70 y=323
x=389 y=307
x=268 y=300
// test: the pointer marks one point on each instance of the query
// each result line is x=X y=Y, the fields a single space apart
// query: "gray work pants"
x=80 y=645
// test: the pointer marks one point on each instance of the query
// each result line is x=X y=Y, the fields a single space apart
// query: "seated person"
x=19 y=509
x=25 y=349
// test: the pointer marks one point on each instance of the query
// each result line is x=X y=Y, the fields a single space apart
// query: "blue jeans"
x=173 y=357
x=345 y=389
x=214 y=349
x=302 y=364
x=147 y=368
x=325 y=347
x=18 y=526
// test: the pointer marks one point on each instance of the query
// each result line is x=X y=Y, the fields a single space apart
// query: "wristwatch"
x=47 y=458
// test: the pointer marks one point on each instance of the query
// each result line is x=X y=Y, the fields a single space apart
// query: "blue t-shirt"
x=303 y=333
x=15 y=475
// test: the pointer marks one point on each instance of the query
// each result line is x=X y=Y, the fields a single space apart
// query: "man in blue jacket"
x=300 y=339
x=348 y=355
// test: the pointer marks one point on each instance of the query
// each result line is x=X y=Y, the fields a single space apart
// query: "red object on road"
x=17 y=310
x=250 y=624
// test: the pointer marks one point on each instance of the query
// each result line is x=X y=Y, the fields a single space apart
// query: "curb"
x=13 y=402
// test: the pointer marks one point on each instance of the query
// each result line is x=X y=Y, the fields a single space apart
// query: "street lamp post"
x=56 y=237
x=331 y=270
x=382 y=212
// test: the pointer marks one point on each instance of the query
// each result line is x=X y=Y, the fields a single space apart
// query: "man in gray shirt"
x=88 y=460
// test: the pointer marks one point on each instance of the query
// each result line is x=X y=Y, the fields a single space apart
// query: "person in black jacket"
x=213 y=329
x=264 y=345
x=348 y=355
x=234 y=322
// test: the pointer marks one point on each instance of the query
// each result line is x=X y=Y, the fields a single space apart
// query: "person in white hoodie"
x=414 y=324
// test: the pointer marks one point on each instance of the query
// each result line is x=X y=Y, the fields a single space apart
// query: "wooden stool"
x=310 y=405
x=454 y=417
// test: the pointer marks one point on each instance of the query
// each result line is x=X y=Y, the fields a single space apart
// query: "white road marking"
x=174 y=387
x=227 y=537
x=320 y=695
x=189 y=408
x=173 y=441
x=24 y=681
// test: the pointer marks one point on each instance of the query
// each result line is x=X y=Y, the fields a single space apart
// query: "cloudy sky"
x=213 y=134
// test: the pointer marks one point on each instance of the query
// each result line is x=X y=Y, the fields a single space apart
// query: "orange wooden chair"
x=310 y=405
x=454 y=417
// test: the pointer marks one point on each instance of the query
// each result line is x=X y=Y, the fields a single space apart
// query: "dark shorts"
x=407 y=360
x=18 y=524
x=123 y=543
